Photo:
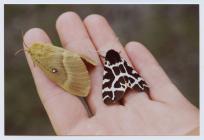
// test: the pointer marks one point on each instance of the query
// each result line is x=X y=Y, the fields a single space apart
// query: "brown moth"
x=65 y=68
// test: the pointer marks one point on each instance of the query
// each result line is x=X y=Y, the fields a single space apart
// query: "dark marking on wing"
x=109 y=75
x=116 y=70
x=118 y=95
x=119 y=82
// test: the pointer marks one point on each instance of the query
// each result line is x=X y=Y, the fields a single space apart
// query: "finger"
x=161 y=88
x=103 y=36
x=63 y=109
x=74 y=37
x=104 y=39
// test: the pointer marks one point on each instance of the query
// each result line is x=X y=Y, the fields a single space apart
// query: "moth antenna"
x=25 y=44
x=23 y=40
x=100 y=52
x=20 y=50
x=102 y=56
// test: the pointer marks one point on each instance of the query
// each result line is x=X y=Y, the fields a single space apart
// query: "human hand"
x=169 y=113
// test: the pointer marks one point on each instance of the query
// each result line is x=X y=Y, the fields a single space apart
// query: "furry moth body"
x=63 y=67
x=118 y=76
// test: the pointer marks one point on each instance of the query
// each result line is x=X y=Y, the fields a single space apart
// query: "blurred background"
x=170 y=32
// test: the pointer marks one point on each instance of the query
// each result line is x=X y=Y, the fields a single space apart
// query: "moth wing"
x=134 y=80
x=78 y=80
x=89 y=60
x=63 y=67
x=49 y=61
x=113 y=87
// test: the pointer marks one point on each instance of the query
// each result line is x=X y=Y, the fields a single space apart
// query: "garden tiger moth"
x=118 y=77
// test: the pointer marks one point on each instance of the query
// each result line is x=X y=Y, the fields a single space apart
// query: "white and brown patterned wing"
x=114 y=85
x=135 y=81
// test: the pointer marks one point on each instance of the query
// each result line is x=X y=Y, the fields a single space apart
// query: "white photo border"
x=201 y=66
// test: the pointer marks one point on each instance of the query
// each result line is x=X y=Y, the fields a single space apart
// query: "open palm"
x=169 y=113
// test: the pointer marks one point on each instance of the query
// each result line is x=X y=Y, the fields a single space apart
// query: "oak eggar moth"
x=63 y=67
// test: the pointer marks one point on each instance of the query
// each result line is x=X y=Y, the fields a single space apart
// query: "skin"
x=169 y=113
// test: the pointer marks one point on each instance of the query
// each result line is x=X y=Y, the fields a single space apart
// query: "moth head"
x=113 y=56
x=36 y=49
x=39 y=51
x=22 y=49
